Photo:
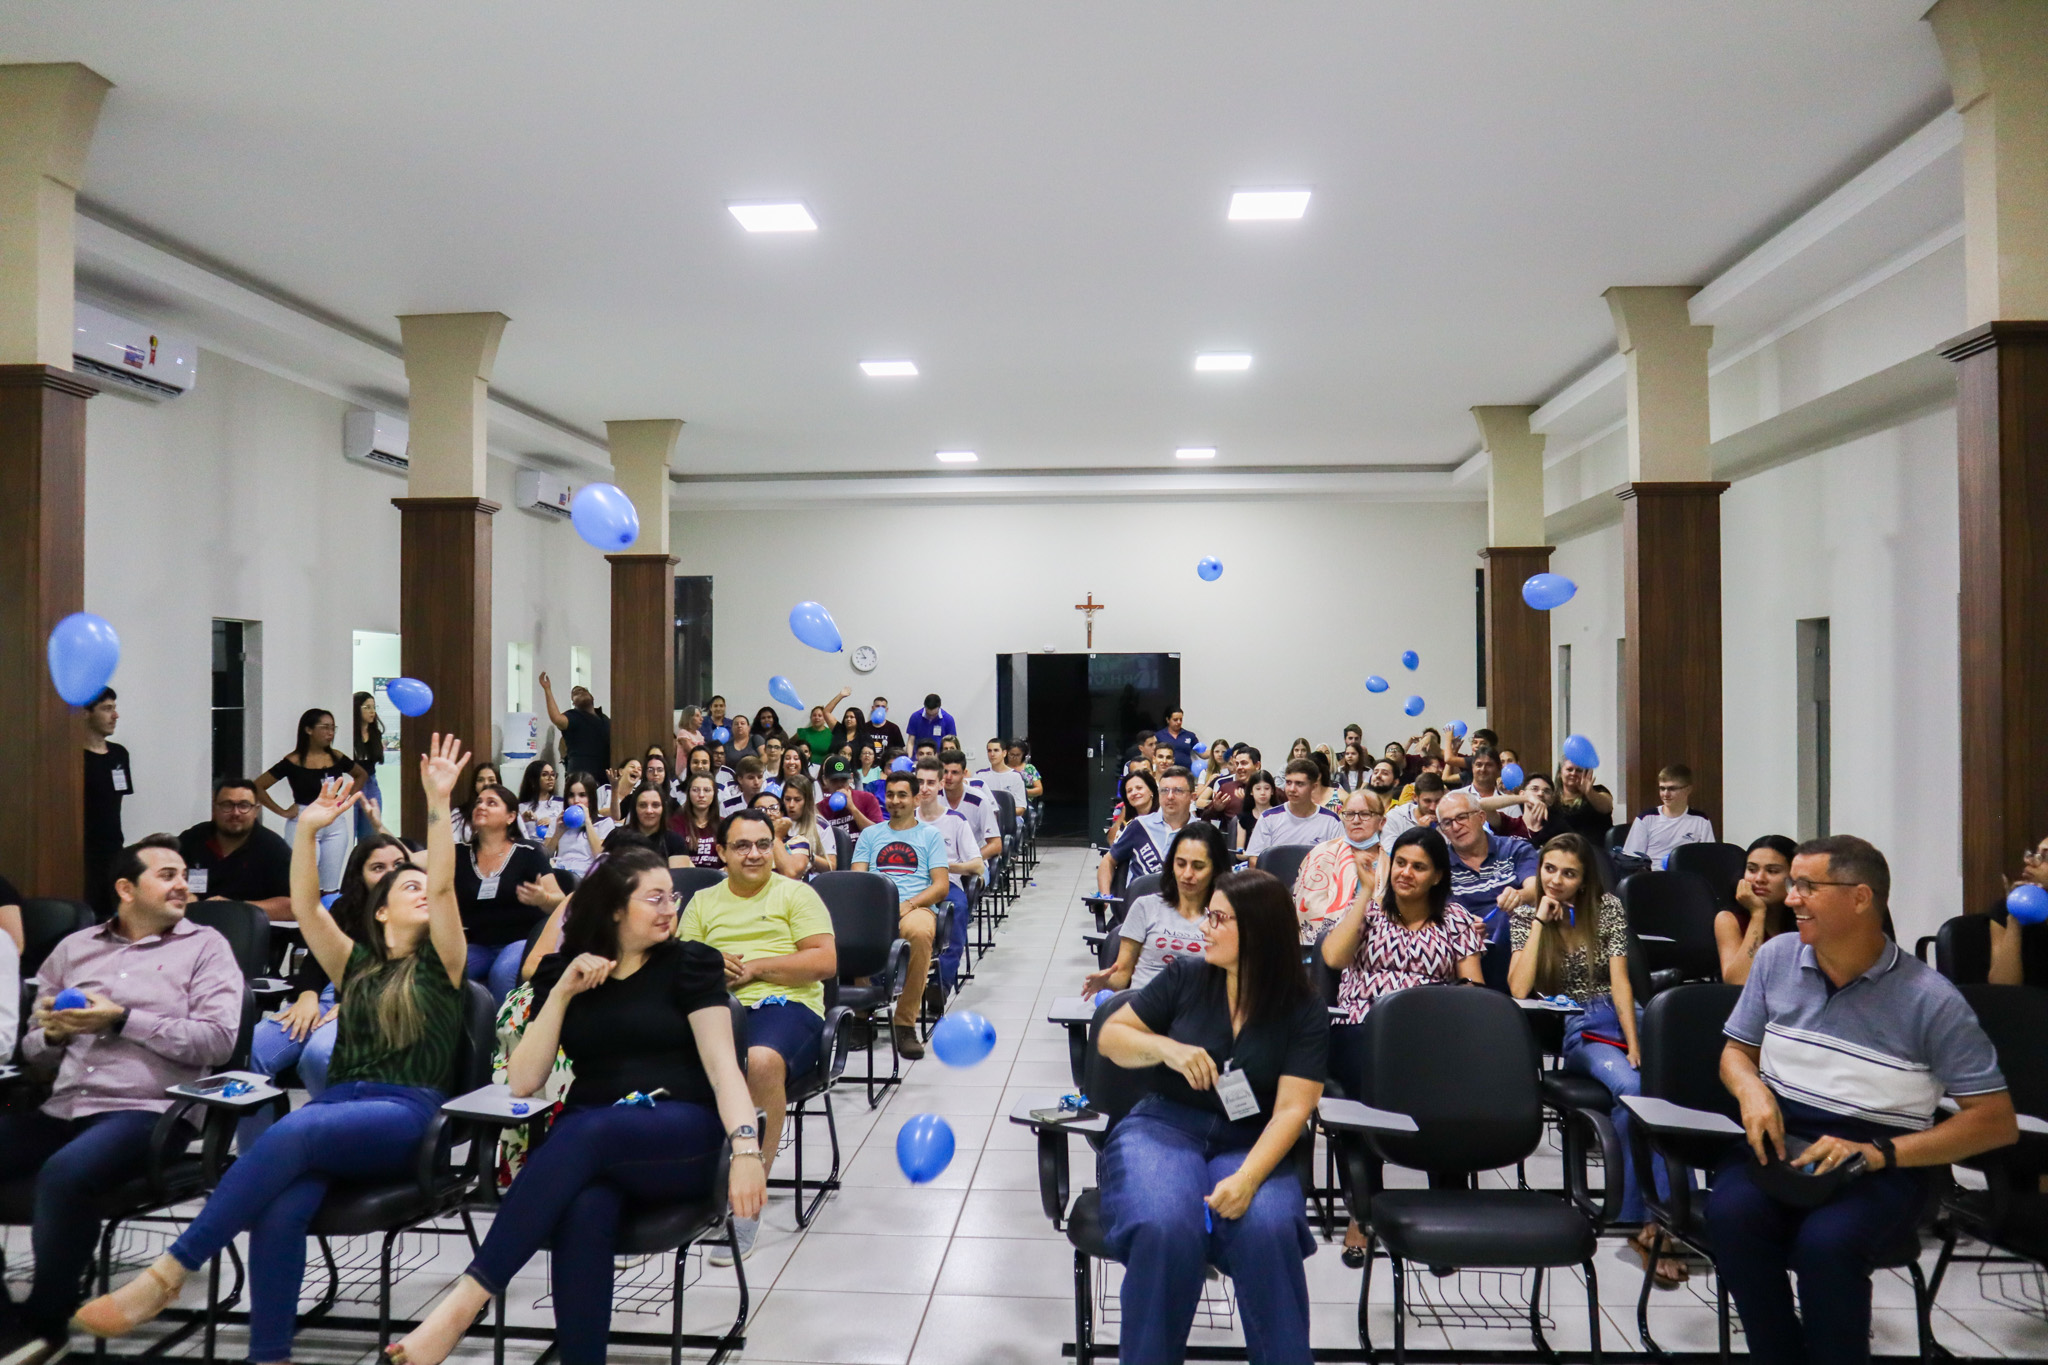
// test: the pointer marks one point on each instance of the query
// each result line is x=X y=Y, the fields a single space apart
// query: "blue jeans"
x=1609 y=1066
x=364 y=829
x=497 y=968
x=272 y=1051
x=357 y=1130
x=73 y=1161
x=1160 y=1163
x=1760 y=1243
x=959 y=916
x=569 y=1195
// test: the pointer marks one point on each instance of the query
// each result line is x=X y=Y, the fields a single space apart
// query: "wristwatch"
x=744 y=1131
x=1884 y=1145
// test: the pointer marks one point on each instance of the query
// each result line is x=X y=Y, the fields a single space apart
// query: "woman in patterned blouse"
x=1420 y=939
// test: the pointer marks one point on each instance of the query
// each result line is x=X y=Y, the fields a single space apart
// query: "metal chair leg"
x=1400 y=1311
x=1084 y=1311
x=1593 y=1308
x=1643 y=1302
x=675 y=1312
x=1543 y=1350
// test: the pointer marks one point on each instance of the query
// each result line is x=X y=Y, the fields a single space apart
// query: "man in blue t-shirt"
x=934 y=723
x=913 y=856
x=1490 y=874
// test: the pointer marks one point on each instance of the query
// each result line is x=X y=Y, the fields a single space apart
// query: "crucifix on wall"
x=1091 y=606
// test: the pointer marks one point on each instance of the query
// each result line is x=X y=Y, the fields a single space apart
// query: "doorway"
x=1082 y=713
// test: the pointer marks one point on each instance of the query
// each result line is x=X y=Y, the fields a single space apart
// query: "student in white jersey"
x=1655 y=833
x=978 y=807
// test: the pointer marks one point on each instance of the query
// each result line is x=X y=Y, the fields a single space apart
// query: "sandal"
x=1354 y=1253
x=104 y=1318
x=1666 y=1272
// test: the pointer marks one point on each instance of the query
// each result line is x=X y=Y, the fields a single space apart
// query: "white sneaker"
x=746 y=1229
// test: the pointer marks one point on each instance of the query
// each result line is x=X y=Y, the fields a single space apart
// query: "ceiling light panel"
x=1217 y=362
x=788 y=217
x=957 y=457
x=1195 y=453
x=1267 y=206
x=889 y=369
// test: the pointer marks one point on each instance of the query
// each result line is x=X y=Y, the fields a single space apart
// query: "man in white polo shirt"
x=1655 y=833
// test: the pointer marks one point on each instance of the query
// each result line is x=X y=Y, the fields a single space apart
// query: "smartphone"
x=211 y=1085
x=1062 y=1115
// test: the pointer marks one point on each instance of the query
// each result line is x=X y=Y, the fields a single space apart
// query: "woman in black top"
x=505 y=887
x=369 y=753
x=1184 y=1183
x=303 y=769
x=638 y=1012
x=647 y=818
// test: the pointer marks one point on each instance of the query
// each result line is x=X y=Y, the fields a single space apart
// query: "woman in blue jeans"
x=401 y=1019
x=504 y=886
x=644 y=1020
x=1574 y=943
x=1198 y=1173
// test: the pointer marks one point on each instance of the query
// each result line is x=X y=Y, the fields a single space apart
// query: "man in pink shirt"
x=163 y=1006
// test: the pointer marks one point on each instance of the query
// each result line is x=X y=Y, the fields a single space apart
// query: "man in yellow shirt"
x=776 y=936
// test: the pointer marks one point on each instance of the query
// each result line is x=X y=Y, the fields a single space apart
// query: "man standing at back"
x=586 y=731
x=1179 y=738
x=108 y=781
x=934 y=723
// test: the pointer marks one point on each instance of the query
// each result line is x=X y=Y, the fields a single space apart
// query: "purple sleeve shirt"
x=183 y=993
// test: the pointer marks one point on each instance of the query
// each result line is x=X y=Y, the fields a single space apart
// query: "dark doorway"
x=230 y=700
x=1082 y=712
x=693 y=640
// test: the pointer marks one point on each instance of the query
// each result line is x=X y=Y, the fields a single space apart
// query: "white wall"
x=1314 y=596
x=235 y=501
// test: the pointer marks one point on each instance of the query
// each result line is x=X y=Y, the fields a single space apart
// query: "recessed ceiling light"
x=1195 y=453
x=774 y=217
x=957 y=457
x=1265 y=206
x=889 y=369
x=1222 y=360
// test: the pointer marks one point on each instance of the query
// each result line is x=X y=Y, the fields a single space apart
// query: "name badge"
x=195 y=880
x=487 y=887
x=1234 y=1088
x=120 y=779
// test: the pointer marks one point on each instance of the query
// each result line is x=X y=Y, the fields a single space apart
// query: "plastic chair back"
x=1672 y=915
x=863 y=906
x=1111 y=1089
x=1006 y=808
x=1681 y=1041
x=47 y=921
x=2016 y=1020
x=244 y=926
x=1463 y=1065
x=1147 y=885
x=691 y=880
x=1720 y=866
x=1284 y=863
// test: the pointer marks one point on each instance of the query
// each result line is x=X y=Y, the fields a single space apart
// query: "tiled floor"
x=968 y=1270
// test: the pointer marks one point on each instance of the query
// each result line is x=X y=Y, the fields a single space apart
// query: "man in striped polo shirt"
x=1839 y=1050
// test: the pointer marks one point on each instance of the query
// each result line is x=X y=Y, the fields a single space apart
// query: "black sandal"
x=1354 y=1257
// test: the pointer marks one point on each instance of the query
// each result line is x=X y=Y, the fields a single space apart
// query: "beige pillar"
x=444 y=556
x=1997 y=55
x=1514 y=475
x=47 y=115
x=1667 y=381
x=643 y=697
x=1517 y=638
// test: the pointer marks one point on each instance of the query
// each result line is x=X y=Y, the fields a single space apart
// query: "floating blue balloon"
x=784 y=691
x=1375 y=683
x=963 y=1038
x=70 y=998
x=812 y=624
x=1546 y=591
x=2027 y=903
x=84 y=651
x=720 y=735
x=411 y=696
x=1458 y=729
x=1102 y=997
x=605 y=517
x=1578 y=749
x=901 y=764
x=327 y=901
x=1511 y=776
x=924 y=1148
x=1210 y=569
x=878 y=716
x=836 y=803
x=1413 y=706
x=572 y=817
x=1411 y=661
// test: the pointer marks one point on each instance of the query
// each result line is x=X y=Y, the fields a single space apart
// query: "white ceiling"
x=1027 y=199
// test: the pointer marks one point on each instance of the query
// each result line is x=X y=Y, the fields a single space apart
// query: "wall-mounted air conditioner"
x=128 y=357
x=541 y=492
x=375 y=438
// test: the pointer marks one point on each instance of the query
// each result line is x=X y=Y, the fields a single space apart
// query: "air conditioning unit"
x=375 y=438
x=129 y=357
x=539 y=492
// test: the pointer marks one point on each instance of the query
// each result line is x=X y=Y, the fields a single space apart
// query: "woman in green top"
x=400 y=975
x=817 y=732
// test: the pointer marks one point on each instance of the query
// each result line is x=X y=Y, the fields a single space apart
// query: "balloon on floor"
x=963 y=1038
x=924 y=1148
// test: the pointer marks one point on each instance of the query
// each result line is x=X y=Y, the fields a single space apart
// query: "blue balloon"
x=878 y=716
x=836 y=802
x=2027 y=903
x=1375 y=683
x=1411 y=660
x=411 y=696
x=1578 y=749
x=84 y=651
x=1511 y=776
x=812 y=624
x=1413 y=706
x=924 y=1148
x=1102 y=997
x=1545 y=591
x=1210 y=569
x=572 y=817
x=721 y=735
x=70 y=998
x=963 y=1038
x=327 y=901
x=901 y=764
x=1458 y=729
x=784 y=691
x=605 y=517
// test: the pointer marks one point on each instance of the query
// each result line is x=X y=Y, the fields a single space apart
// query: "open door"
x=1083 y=712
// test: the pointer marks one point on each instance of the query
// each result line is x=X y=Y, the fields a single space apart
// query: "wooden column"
x=444 y=622
x=643 y=653
x=42 y=580
x=1671 y=698
x=1518 y=654
x=2002 y=459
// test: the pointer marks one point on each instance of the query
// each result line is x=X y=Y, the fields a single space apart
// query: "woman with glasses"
x=2013 y=947
x=1157 y=931
x=1184 y=1184
x=1759 y=913
x=639 y=1013
x=574 y=850
x=540 y=806
x=1328 y=880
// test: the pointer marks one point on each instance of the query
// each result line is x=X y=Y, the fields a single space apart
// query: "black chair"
x=691 y=880
x=817 y=1086
x=1720 y=866
x=1962 y=950
x=1284 y=863
x=1106 y=940
x=244 y=926
x=47 y=921
x=1454 y=1092
x=1671 y=914
x=865 y=915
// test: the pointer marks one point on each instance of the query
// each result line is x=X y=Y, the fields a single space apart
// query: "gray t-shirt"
x=1162 y=935
x=1280 y=826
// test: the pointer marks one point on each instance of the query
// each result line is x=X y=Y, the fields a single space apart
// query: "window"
x=230 y=699
x=1816 y=739
x=1564 y=689
x=693 y=640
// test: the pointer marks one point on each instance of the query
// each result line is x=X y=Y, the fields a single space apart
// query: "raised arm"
x=324 y=938
x=440 y=765
x=547 y=690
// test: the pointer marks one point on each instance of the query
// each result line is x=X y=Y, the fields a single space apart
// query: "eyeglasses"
x=746 y=846
x=1216 y=919
x=657 y=899
x=1460 y=818
x=1805 y=885
x=1350 y=815
x=235 y=807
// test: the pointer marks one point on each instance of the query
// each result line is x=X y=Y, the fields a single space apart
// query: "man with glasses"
x=1841 y=1049
x=1491 y=875
x=1140 y=850
x=913 y=856
x=776 y=936
x=1655 y=833
x=232 y=857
